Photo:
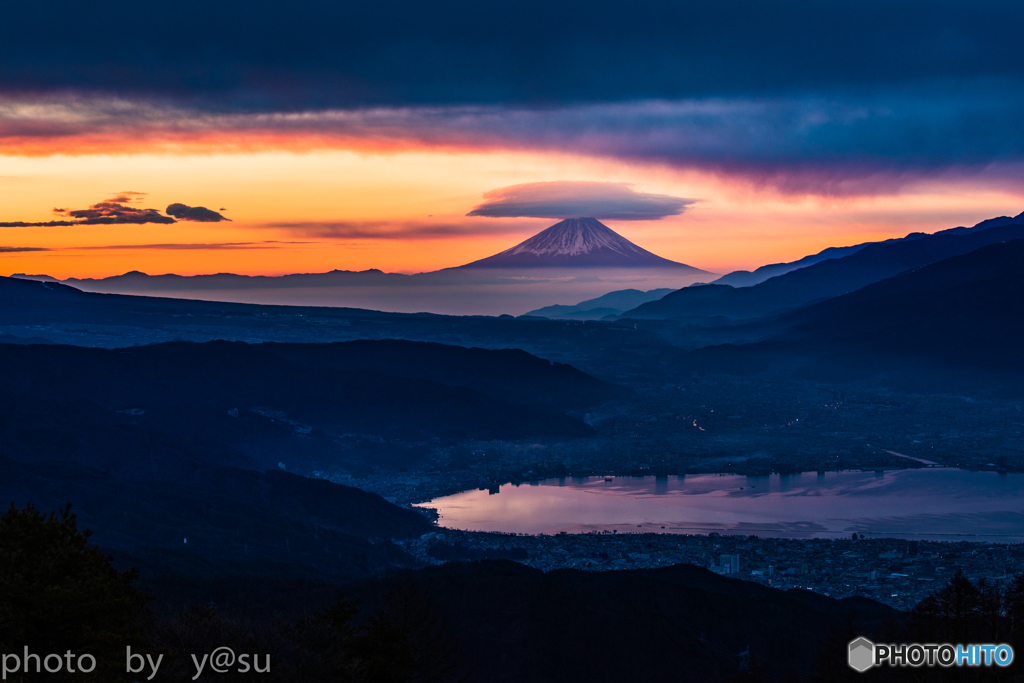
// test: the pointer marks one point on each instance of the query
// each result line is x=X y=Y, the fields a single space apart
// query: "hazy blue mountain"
x=40 y=278
x=746 y=278
x=611 y=303
x=964 y=311
x=822 y=280
x=956 y=322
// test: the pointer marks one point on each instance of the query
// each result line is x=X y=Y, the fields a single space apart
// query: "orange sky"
x=353 y=207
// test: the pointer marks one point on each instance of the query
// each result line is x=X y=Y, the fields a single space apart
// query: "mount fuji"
x=578 y=243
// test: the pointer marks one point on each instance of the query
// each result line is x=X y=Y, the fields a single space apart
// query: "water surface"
x=929 y=503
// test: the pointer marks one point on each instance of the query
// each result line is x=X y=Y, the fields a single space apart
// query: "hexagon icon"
x=862 y=654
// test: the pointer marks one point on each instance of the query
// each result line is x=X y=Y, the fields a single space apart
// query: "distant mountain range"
x=41 y=312
x=828 y=278
x=578 y=243
x=746 y=278
x=579 y=259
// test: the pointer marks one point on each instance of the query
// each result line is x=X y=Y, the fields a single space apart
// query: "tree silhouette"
x=59 y=593
x=1013 y=603
x=404 y=642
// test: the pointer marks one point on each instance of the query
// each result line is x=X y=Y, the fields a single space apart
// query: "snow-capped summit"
x=577 y=242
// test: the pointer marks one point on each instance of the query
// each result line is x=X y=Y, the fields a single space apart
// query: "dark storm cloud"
x=570 y=199
x=841 y=97
x=321 y=53
x=199 y=214
x=846 y=143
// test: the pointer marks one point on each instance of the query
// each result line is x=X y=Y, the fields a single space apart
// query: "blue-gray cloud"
x=572 y=199
x=836 y=144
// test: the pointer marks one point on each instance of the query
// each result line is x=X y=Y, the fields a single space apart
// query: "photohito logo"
x=862 y=654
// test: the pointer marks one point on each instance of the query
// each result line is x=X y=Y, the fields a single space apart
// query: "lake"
x=929 y=503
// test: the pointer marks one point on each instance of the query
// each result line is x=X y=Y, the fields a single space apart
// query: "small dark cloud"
x=129 y=196
x=115 y=212
x=199 y=214
x=266 y=244
x=180 y=247
x=43 y=224
x=572 y=199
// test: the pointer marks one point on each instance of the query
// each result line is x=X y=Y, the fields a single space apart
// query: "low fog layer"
x=453 y=292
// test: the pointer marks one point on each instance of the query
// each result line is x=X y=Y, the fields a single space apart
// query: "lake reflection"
x=932 y=503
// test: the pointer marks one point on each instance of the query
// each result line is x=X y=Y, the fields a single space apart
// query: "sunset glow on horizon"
x=405 y=211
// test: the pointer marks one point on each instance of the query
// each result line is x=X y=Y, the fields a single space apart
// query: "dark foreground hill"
x=823 y=280
x=513 y=623
x=507 y=374
x=386 y=388
x=956 y=323
x=219 y=520
x=162 y=411
x=159 y=444
x=469 y=622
